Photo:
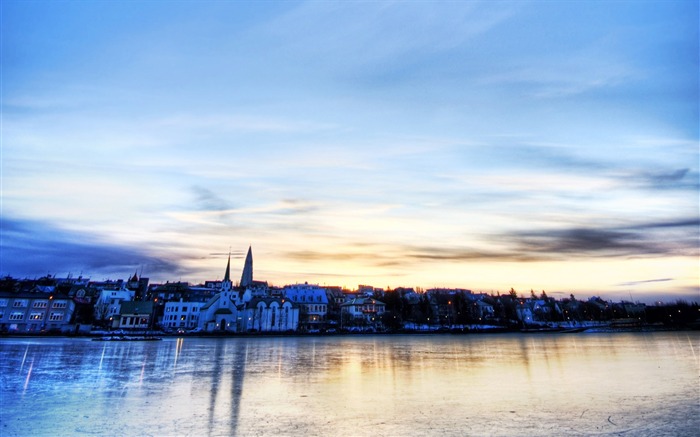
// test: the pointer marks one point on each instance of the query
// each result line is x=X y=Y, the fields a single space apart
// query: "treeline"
x=461 y=307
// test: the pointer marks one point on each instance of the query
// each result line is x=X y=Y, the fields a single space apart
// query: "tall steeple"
x=247 y=276
x=227 y=275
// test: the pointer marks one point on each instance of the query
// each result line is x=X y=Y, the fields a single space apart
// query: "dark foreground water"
x=561 y=384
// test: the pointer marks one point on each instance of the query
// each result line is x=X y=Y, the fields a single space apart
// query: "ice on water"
x=580 y=384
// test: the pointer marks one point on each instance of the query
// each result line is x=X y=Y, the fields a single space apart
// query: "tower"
x=226 y=284
x=247 y=276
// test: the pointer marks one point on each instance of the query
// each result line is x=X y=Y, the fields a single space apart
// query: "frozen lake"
x=501 y=384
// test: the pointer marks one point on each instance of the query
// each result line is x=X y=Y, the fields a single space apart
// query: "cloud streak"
x=631 y=241
x=641 y=239
x=35 y=248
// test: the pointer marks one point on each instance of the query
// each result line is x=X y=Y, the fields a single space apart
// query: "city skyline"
x=532 y=145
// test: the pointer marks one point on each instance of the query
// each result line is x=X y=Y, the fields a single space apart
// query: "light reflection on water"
x=579 y=384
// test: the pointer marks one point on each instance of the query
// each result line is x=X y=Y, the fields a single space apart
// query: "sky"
x=537 y=145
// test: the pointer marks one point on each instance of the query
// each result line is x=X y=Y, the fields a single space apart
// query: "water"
x=574 y=384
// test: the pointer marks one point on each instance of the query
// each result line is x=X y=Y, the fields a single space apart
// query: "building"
x=108 y=304
x=524 y=312
x=362 y=310
x=483 y=310
x=35 y=312
x=225 y=312
x=247 y=275
x=169 y=291
x=271 y=314
x=181 y=314
x=313 y=302
x=134 y=315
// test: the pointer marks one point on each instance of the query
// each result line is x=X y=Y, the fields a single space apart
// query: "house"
x=134 y=315
x=483 y=310
x=523 y=310
x=35 y=312
x=364 y=310
x=108 y=303
x=335 y=297
x=634 y=309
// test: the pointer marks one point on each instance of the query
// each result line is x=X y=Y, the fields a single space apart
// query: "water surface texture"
x=573 y=384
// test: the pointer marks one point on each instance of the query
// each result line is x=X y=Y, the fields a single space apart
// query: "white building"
x=225 y=311
x=271 y=314
x=181 y=314
x=363 y=309
x=312 y=299
x=109 y=301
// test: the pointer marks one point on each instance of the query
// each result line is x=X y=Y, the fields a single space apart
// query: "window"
x=59 y=305
x=56 y=317
x=36 y=316
x=17 y=316
x=19 y=303
x=3 y=303
x=40 y=304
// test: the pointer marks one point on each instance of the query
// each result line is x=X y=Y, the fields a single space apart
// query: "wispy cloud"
x=207 y=200
x=645 y=281
x=353 y=35
x=239 y=123
x=673 y=179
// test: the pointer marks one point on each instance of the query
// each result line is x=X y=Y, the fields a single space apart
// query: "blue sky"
x=486 y=145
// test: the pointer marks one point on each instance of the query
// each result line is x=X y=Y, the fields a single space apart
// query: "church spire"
x=227 y=275
x=247 y=276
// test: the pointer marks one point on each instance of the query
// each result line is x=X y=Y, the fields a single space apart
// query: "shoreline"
x=146 y=335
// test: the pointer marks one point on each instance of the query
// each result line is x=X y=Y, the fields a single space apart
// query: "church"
x=241 y=309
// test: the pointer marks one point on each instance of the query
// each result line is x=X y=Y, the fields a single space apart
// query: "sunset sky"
x=484 y=145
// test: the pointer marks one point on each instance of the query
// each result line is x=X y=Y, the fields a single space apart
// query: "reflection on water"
x=610 y=384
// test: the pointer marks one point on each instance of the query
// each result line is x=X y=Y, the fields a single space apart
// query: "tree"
x=101 y=311
x=425 y=309
x=391 y=320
